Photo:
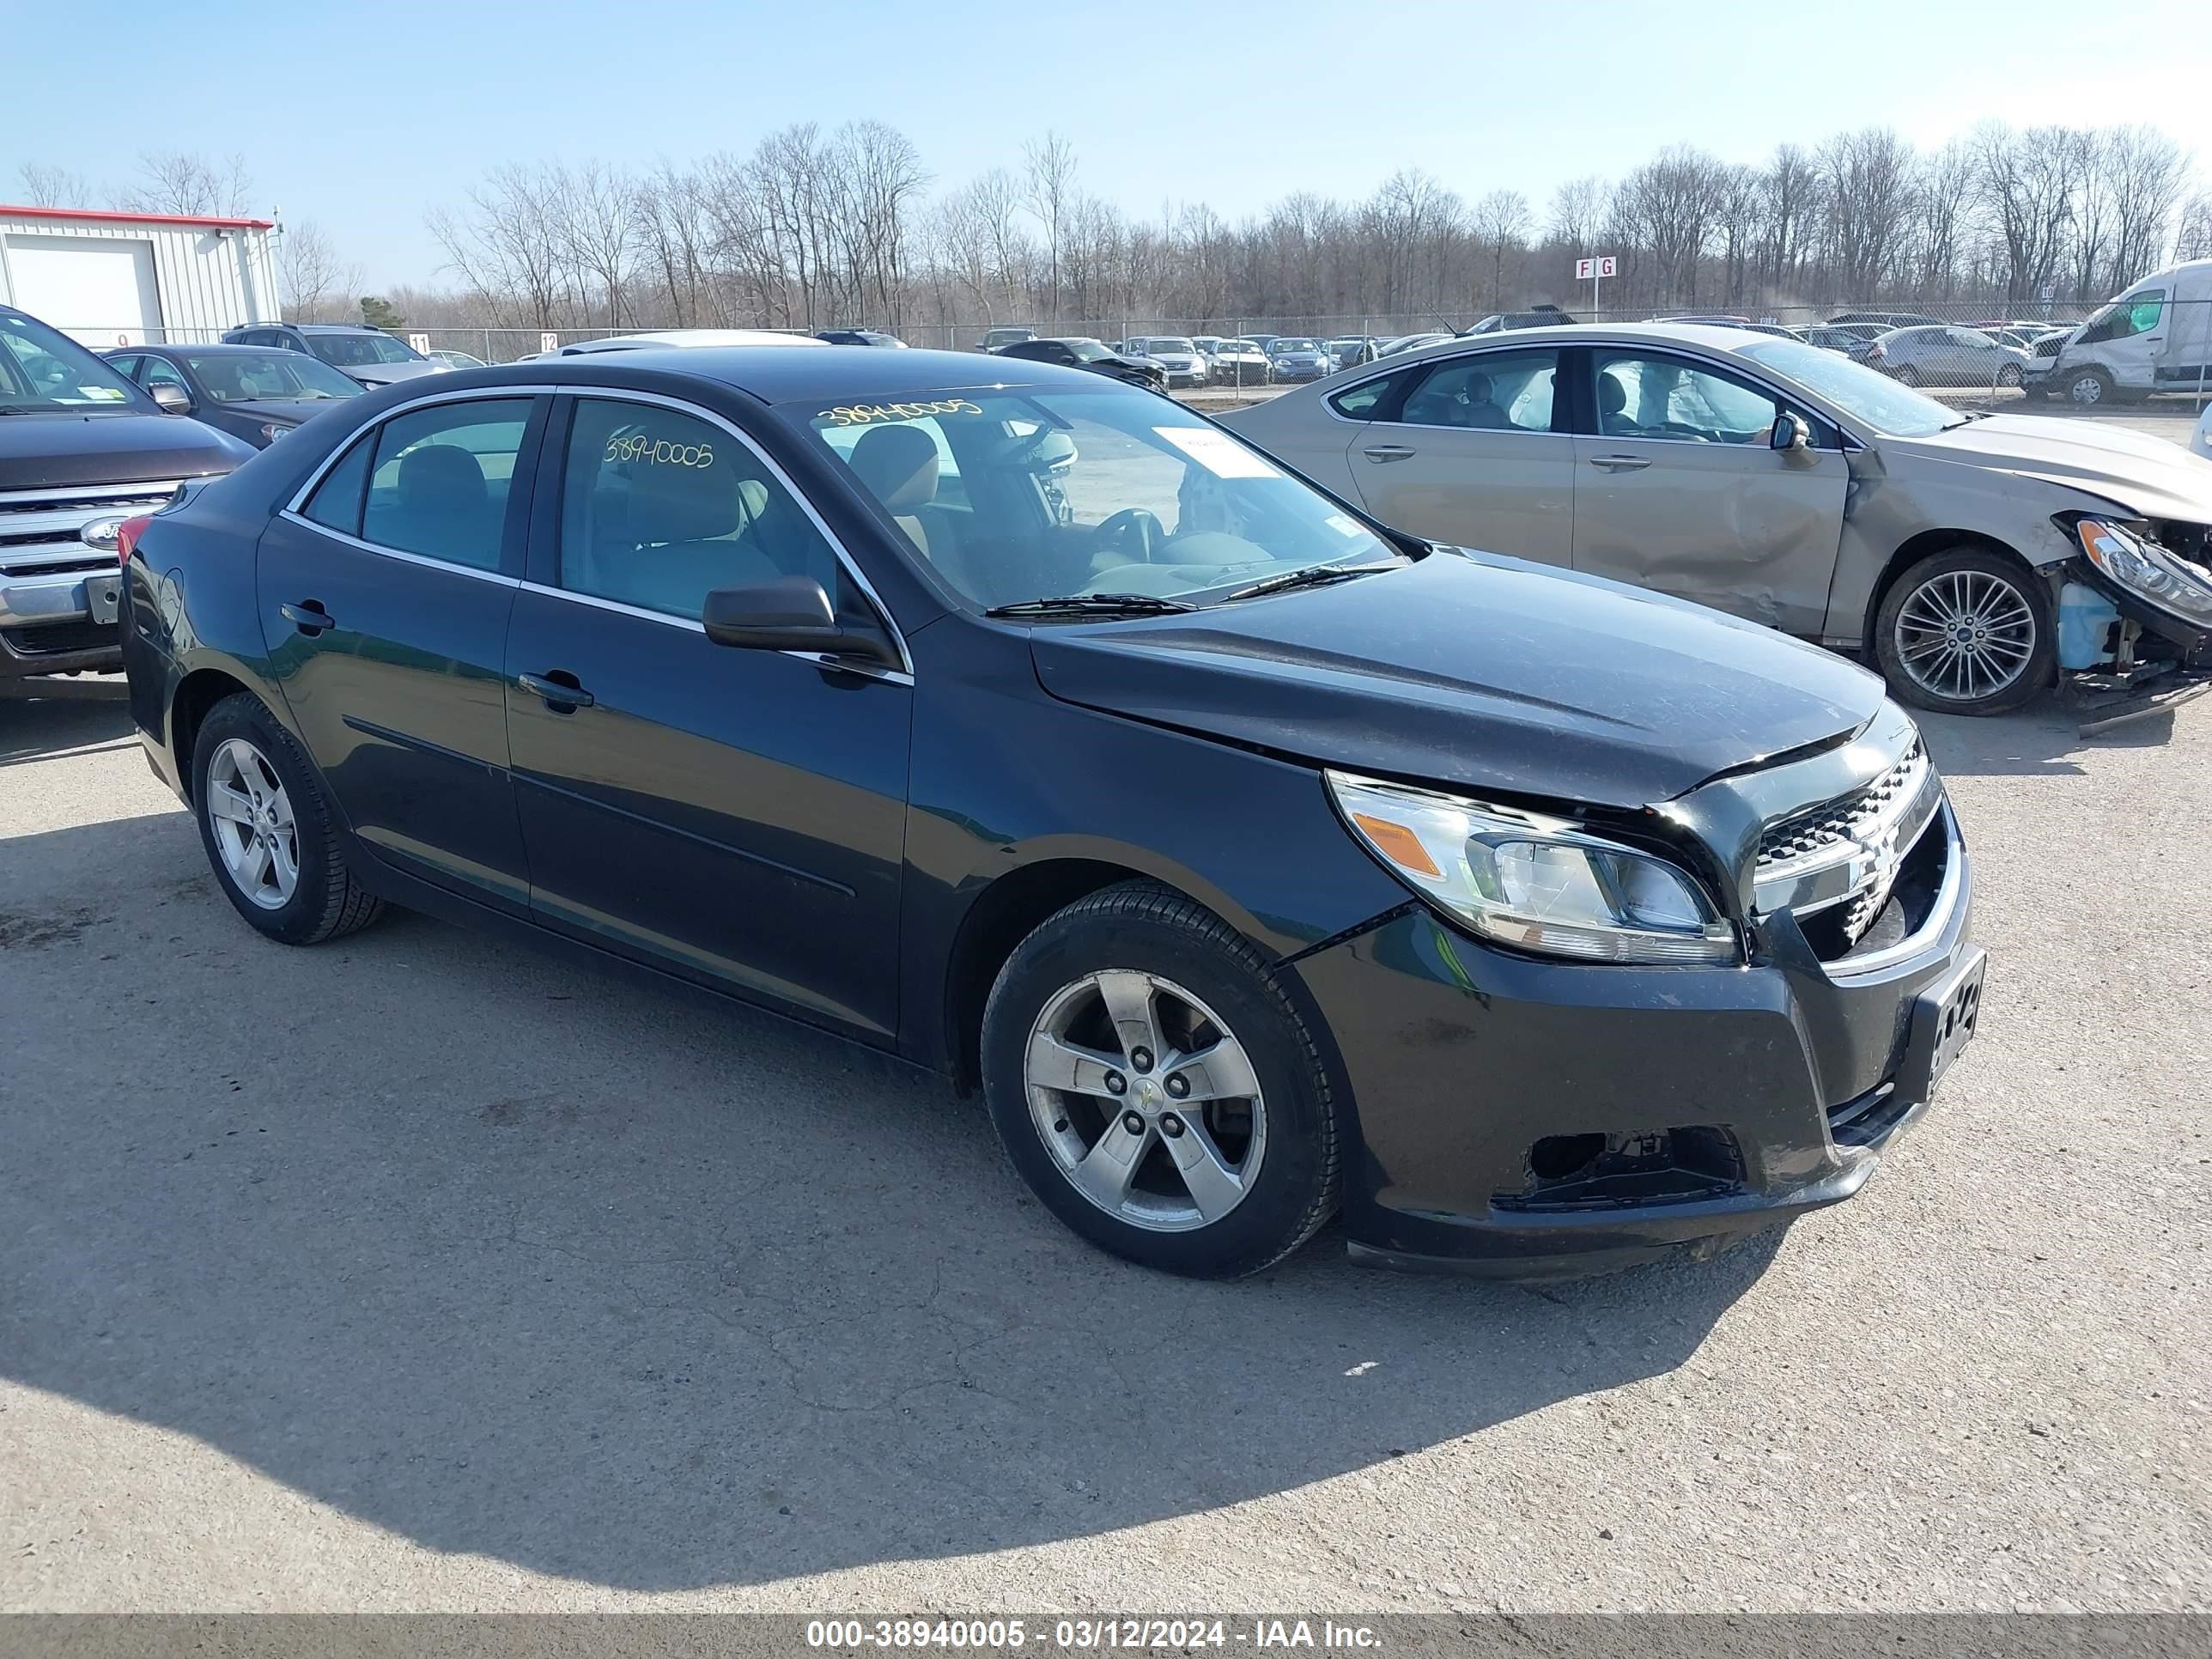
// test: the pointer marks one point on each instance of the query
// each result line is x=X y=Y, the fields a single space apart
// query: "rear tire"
x=269 y=833
x=1158 y=1090
x=1953 y=624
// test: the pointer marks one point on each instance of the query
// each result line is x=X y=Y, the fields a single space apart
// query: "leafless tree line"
x=813 y=228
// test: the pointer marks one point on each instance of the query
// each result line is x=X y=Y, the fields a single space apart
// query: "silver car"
x=1181 y=359
x=1786 y=484
x=1946 y=355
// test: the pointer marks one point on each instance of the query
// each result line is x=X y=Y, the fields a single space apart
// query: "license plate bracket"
x=103 y=597
x=1945 y=1018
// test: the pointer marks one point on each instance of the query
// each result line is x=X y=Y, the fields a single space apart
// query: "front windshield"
x=356 y=350
x=281 y=377
x=1014 y=495
x=1088 y=351
x=1883 y=404
x=1296 y=345
x=41 y=368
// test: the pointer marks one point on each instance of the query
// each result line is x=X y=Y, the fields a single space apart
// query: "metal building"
x=114 y=279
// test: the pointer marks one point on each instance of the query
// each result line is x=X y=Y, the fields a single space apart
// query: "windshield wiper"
x=1142 y=604
x=1313 y=575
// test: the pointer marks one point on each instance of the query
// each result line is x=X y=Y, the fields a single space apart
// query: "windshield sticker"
x=104 y=394
x=1345 y=526
x=1218 y=452
x=863 y=414
x=640 y=449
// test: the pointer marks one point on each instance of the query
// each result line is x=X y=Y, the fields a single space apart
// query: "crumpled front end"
x=1528 y=1117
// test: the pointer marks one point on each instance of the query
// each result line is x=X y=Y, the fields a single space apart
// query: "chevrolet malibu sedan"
x=1256 y=863
x=1790 y=486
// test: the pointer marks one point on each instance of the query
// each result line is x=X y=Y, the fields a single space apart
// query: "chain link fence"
x=2158 y=352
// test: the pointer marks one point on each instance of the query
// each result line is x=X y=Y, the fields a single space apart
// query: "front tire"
x=2089 y=388
x=2008 y=376
x=1158 y=1090
x=269 y=833
x=1907 y=375
x=1966 y=631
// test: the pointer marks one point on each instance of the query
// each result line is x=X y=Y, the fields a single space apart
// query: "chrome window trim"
x=296 y=506
x=399 y=553
x=851 y=567
x=691 y=625
x=293 y=511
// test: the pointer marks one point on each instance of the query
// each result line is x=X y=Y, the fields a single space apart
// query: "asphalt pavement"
x=422 y=1271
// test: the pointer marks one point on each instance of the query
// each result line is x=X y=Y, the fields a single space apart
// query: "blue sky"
x=361 y=118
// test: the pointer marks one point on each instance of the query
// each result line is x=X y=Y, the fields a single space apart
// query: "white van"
x=2157 y=337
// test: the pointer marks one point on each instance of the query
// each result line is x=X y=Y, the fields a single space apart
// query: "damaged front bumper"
x=1531 y=1119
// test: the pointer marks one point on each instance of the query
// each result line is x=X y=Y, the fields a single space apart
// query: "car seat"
x=673 y=537
x=442 y=507
x=1612 y=407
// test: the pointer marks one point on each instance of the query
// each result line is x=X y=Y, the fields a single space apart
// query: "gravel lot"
x=427 y=1272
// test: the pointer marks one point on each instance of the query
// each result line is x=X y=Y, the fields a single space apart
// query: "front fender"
x=1006 y=779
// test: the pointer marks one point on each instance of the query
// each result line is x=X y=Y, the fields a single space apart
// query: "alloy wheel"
x=1964 y=635
x=1147 y=1100
x=251 y=817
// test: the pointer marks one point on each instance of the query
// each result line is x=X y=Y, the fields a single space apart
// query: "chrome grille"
x=1853 y=818
x=1844 y=855
x=38 y=527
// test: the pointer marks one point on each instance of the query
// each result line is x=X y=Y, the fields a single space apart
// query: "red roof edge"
x=107 y=217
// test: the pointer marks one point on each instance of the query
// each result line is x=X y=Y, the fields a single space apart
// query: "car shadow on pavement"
x=2042 y=740
x=516 y=1257
x=35 y=728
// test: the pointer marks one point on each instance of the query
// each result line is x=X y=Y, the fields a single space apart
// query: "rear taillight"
x=127 y=534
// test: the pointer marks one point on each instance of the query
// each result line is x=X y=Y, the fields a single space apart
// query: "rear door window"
x=440 y=480
x=1491 y=391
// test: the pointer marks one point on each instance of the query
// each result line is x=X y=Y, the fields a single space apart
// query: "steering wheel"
x=1151 y=533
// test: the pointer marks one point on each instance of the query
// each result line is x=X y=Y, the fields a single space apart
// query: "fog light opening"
x=1557 y=1156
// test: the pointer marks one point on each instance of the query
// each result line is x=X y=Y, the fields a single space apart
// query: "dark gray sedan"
x=255 y=392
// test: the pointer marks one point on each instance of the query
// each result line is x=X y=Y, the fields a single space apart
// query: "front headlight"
x=2145 y=568
x=1535 y=883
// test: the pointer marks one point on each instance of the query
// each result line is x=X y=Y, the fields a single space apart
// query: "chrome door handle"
x=1620 y=462
x=562 y=698
x=1381 y=452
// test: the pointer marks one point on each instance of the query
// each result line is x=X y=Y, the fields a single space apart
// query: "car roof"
x=776 y=375
x=322 y=328
x=217 y=350
x=1710 y=335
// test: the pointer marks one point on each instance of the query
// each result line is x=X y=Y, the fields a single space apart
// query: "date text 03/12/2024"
x=1087 y=1634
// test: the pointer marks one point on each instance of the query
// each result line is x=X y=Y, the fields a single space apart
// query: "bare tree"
x=1049 y=191
x=314 y=283
x=47 y=185
x=1499 y=221
x=1669 y=204
x=173 y=182
x=1577 y=210
x=1792 y=198
x=596 y=222
x=2027 y=186
x=2145 y=176
x=1868 y=175
x=1944 y=200
x=507 y=244
x=1737 y=203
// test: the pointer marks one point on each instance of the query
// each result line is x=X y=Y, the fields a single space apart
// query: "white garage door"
x=99 y=289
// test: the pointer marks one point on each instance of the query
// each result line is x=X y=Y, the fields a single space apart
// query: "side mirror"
x=173 y=398
x=790 y=613
x=1790 y=433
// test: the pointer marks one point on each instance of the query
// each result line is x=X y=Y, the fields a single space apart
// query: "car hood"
x=38 y=450
x=1473 y=672
x=388 y=373
x=2151 y=476
x=290 y=411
